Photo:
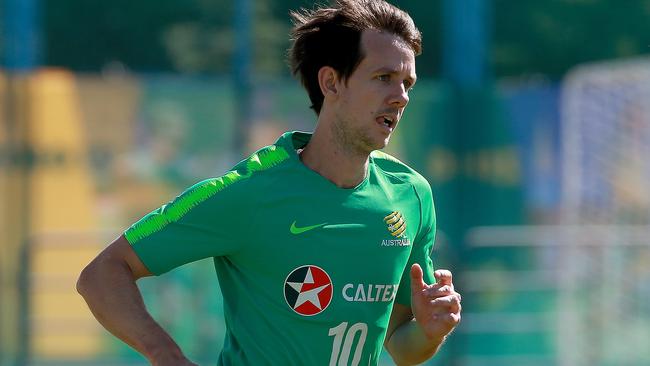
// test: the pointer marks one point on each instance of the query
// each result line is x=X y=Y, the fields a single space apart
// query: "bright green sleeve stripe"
x=155 y=221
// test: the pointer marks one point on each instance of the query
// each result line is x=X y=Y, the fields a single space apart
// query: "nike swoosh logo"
x=299 y=230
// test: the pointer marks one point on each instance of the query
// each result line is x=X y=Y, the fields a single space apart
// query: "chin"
x=371 y=143
x=378 y=145
x=383 y=143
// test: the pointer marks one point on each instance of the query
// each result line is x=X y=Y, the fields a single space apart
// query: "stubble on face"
x=353 y=140
x=364 y=99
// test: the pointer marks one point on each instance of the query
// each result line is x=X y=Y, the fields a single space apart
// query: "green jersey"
x=309 y=271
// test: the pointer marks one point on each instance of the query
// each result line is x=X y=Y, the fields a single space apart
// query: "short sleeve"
x=422 y=245
x=197 y=224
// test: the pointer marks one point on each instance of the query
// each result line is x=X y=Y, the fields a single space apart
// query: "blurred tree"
x=270 y=36
x=200 y=44
x=206 y=44
x=549 y=37
x=191 y=36
x=195 y=36
x=86 y=36
x=187 y=36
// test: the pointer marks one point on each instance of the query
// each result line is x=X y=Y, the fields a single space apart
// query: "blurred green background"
x=531 y=120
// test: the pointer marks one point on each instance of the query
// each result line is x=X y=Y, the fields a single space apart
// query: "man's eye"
x=407 y=84
x=383 y=77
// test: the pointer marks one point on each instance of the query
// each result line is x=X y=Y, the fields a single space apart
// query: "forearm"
x=113 y=297
x=408 y=345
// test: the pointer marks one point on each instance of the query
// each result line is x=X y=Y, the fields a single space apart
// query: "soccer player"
x=321 y=243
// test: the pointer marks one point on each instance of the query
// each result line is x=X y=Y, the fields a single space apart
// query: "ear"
x=328 y=81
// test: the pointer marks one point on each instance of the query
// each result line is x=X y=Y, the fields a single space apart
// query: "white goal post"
x=605 y=115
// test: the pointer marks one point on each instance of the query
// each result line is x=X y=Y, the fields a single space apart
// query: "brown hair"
x=332 y=37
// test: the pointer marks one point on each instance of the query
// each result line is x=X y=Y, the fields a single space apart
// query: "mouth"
x=387 y=121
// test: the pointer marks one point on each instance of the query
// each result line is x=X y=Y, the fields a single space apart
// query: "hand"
x=436 y=307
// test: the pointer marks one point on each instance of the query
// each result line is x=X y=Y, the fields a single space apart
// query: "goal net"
x=605 y=297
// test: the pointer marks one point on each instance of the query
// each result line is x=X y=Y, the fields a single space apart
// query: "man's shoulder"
x=243 y=173
x=395 y=167
x=263 y=159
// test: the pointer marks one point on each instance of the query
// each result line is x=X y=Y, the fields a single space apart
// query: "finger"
x=456 y=307
x=444 y=291
x=451 y=319
x=449 y=303
x=436 y=290
x=417 y=279
x=443 y=277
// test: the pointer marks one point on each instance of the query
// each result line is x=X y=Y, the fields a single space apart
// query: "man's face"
x=372 y=101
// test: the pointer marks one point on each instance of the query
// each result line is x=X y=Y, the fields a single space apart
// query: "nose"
x=400 y=98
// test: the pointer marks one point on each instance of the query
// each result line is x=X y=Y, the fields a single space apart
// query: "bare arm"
x=108 y=286
x=416 y=333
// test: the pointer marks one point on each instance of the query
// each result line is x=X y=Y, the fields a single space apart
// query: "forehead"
x=386 y=50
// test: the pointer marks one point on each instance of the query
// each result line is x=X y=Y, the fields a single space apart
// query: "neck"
x=328 y=156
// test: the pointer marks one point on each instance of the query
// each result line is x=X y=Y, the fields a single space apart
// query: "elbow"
x=101 y=272
x=91 y=277
x=110 y=267
x=84 y=280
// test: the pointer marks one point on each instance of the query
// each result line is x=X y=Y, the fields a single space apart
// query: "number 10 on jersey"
x=344 y=339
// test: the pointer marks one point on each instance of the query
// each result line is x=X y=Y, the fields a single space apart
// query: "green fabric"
x=309 y=272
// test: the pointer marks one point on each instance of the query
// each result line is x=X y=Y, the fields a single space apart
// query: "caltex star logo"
x=308 y=290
